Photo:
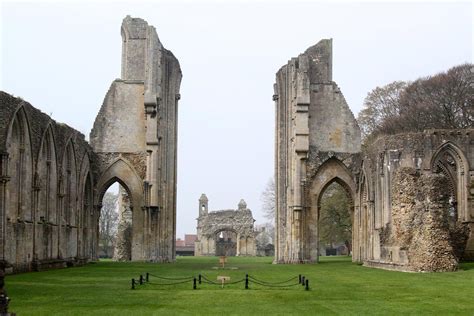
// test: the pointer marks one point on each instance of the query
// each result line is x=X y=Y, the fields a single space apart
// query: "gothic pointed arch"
x=46 y=194
x=20 y=167
x=331 y=171
x=69 y=183
x=121 y=171
x=47 y=177
x=19 y=197
x=449 y=160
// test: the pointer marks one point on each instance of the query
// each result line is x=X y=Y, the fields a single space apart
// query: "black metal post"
x=147 y=276
x=299 y=277
x=246 y=281
x=199 y=278
x=133 y=284
x=307 y=285
x=141 y=279
x=194 y=283
x=302 y=280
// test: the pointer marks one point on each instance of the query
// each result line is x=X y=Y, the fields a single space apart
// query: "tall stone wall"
x=317 y=143
x=47 y=218
x=135 y=136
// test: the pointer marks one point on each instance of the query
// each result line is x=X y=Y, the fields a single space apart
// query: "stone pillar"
x=95 y=232
x=238 y=252
x=123 y=244
x=371 y=229
x=4 y=178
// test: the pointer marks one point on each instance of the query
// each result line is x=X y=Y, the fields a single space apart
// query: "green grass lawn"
x=337 y=287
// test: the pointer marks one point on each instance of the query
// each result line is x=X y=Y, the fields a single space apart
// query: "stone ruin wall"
x=47 y=216
x=412 y=229
x=52 y=181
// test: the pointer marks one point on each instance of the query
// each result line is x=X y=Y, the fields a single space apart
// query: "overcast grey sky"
x=62 y=57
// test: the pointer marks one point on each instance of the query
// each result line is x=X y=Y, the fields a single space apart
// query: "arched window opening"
x=46 y=169
x=70 y=186
x=446 y=164
x=20 y=184
x=46 y=184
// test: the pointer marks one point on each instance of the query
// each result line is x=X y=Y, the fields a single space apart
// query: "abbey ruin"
x=225 y=232
x=412 y=195
x=52 y=181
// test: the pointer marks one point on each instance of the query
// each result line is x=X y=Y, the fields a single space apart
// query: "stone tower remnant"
x=135 y=135
x=317 y=142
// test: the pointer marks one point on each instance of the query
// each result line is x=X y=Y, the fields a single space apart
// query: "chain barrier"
x=207 y=281
x=176 y=283
x=275 y=285
x=204 y=279
x=171 y=279
x=272 y=283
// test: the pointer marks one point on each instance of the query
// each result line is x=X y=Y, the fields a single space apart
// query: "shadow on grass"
x=334 y=259
x=466 y=266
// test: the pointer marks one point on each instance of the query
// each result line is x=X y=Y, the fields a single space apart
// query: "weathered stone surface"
x=420 y=220
x=220 y=226
x=46 y=187
x=123 y=242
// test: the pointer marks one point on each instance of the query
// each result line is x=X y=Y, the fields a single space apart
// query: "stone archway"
x=332 y=170
x=450 y=161
x=122 y=172
x=226 y=242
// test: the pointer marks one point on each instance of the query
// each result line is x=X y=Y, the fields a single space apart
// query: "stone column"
x=370 y=229
x=238 y=245
x=4 y=178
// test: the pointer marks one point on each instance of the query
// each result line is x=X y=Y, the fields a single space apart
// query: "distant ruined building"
x=412 y=195
x=52 y=181
x=225 y=232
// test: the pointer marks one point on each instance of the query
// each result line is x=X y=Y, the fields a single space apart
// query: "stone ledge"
x=387 y=266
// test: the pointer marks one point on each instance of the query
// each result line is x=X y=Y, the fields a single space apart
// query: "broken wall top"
x=320 y=116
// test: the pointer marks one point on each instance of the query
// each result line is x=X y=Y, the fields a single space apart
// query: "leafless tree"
x=380 y=104
x=108 y=222
x=268 y=200
x=444 y=100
